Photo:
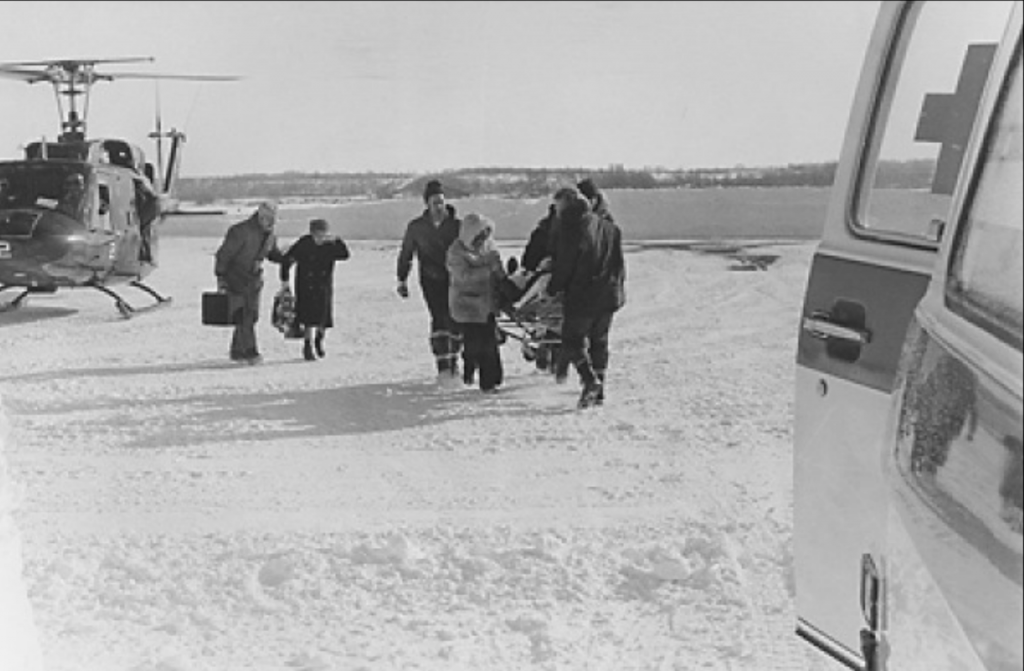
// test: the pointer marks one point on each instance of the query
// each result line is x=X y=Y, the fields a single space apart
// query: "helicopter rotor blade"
x=145 y=75
x=72 y=63
x=72 y=78
x=30 y=76
x=80 y=71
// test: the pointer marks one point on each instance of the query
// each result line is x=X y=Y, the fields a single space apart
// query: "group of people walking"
x=461 y=275
x=239 y=270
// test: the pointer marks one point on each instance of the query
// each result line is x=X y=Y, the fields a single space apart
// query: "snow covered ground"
x=184 y=513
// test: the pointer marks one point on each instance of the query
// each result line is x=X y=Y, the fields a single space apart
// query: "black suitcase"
x=221 y=309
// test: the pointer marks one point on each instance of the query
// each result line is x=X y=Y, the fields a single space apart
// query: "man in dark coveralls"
x=427 y=238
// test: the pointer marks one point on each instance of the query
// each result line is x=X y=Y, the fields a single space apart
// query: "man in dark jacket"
x=590 y=271
x=537 y=258
x=427 y=238
x=239 y=270
x=538 y=246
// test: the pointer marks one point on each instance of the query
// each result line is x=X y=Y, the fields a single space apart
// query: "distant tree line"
x=530 y=182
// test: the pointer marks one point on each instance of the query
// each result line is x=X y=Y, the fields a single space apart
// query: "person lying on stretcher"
x=528 y=281
x=529 y=285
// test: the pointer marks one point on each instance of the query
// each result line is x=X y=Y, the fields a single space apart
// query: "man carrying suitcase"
x=239 y=270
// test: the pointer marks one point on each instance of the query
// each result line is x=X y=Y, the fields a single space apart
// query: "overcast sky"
x=426 y=86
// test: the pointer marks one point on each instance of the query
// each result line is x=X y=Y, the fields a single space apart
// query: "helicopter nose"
x=55 y=237
x=31 y=244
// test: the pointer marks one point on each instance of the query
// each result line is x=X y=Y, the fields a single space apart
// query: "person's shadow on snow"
x=339 y=411
x=251 y=416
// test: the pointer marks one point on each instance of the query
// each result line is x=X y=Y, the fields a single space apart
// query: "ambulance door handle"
x=843 y=329
x=821 y=325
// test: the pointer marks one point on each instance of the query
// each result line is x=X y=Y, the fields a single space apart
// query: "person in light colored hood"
x=476 y=272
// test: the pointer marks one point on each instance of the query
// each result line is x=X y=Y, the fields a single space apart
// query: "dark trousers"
x=585 y=344
x=243 y=340
x=482 y=354
x=445 y=341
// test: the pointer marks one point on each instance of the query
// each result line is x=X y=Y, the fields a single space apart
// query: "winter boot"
x=543 y=358
x=592 y=386
x=318 y=343
x=307 y=350
x=560 y=367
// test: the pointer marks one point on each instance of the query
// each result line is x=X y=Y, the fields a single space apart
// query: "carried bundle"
x=283 y=315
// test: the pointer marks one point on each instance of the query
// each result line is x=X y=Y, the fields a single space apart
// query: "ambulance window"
x=985 y=279
x=914 y=154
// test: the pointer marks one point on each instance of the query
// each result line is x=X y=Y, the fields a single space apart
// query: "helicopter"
x=82 y=211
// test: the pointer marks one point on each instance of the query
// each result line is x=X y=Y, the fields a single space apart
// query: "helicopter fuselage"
x=42 y=250
x=107 y=232
x=102 y=232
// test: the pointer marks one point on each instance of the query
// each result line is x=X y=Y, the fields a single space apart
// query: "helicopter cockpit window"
x=6 y=194
x=44 y=185
x=119 y=153
x=72 y=195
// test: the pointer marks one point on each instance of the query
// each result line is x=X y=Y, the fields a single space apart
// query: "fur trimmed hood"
x=472 y=225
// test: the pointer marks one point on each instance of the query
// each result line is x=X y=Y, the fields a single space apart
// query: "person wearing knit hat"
x=426 y=239
x=473 y=296
x=598 y=201
x=587 y=187
x=432 y=188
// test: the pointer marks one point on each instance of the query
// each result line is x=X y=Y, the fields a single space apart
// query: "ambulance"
x=907 y=437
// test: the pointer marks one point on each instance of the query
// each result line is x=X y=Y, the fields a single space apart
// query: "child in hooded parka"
x=477 y=272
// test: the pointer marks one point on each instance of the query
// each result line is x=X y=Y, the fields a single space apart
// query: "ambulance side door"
x=923 y=75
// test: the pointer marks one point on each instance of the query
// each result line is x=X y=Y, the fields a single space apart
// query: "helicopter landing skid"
x=16 y=302
x=125 y=308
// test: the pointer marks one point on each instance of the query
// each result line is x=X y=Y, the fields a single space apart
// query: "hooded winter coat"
x=589 y=265
x=476 y=273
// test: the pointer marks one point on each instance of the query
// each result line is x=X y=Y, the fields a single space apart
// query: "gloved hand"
x=403 y=289
x=222 y=284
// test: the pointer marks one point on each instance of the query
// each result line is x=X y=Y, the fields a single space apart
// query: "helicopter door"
x=103 y=224
x=125 y=224
x=923 y=75
x=99 y=236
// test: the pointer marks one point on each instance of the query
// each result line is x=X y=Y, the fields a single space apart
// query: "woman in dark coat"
x=314 y=255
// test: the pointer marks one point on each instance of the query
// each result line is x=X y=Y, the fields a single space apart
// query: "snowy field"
x=184 y=513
